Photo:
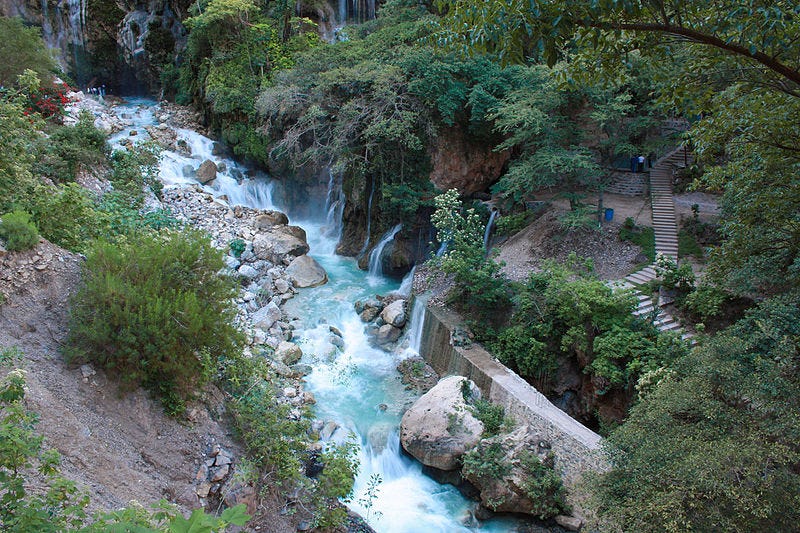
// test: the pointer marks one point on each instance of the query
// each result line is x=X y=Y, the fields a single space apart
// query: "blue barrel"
x=609 y=215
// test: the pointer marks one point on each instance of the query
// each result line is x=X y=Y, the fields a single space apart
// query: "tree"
x=479 y=284
x=22 y=48
x=714 y=447
x=759 y=33
x=736 y=65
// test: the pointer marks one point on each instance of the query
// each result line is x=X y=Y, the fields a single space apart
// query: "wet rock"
x=304 y=271
x=395 y=313
x=378 y=436
x=387 y=334
x=439 y=428
x=207 y=171
x=282 y=286
x=279 y=246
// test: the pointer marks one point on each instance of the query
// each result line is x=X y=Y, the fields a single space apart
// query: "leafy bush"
x=18 y=232
x=154 y=310
x=479 y=284
x=70 y=148
x=674 y=276
x=511 y=224
x=714 y=446
x=486 y=461
x=706 y=301
x=543 y=486
x=492 y=415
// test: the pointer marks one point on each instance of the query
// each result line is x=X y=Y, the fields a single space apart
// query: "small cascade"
x=442 y=249
x=489 y=226
x=416 y=326
x=334 y=207
x=375 y=264
x=407 y=284
x=369 y=218
x=355 y=11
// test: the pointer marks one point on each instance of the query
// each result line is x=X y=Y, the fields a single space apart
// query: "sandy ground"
x=119 y=447
x=613 y=259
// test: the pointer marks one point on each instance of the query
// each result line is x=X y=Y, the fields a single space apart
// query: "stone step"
x=640 y=278
x=643 y=311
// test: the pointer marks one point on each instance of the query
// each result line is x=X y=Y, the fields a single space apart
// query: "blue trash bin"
x=609 y=215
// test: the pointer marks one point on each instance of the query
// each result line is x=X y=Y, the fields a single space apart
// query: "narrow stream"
x=357 y=387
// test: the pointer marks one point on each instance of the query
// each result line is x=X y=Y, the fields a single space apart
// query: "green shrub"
x=70 y=148
x=511 y=224
x=154 y=310
x=642 y=236
x=706 y=302
x=492 y=415
x=543 y=486
x=66 y=215
x=18 y=232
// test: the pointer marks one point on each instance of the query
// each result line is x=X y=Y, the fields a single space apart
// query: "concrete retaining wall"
x=577 y=448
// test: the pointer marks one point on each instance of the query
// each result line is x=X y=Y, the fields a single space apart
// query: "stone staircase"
x=665 y=227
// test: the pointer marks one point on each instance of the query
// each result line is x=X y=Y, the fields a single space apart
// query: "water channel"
x=357 y=387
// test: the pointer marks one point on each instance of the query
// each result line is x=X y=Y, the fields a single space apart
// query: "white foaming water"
x=489 y=225
x=356 y=386
x=408 y=283
x=369 y=217
x=375 y=263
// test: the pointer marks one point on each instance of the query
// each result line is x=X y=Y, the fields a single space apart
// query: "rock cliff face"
x=120 y=44
x=461 y=164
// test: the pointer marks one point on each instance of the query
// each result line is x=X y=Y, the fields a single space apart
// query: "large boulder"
x=439 y=428
x=279 y=245
x=304 y=271
x=395 y=313
x=514 y=473
x=207 y=171
x=269 y=218
x=387 y=334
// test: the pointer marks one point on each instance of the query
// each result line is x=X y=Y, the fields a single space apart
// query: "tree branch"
x=703 y=38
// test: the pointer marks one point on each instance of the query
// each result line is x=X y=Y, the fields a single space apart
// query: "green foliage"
x=486 y=461
x=674 y=276
x=714 y=446
x=492 y=415
x=154 y=310
x=706 y=301
x=543 y=486
x=22 y=48
x=18 y=232
x=135 y=169
x=479 y=284
x=642 y=236
x=71 y=148
x=511 y=224
x=18 y=137
x=561 y=312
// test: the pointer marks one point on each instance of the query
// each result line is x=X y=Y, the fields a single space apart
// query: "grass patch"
x=642 y=236
x=688 y=245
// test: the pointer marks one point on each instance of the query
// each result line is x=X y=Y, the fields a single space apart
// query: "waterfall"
x=334 y=206
x=408 y=283
x=442 y=249
x=63 y=30
x=369 y=217
x=488 y=232
x=416 y=326
x=375 y=264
